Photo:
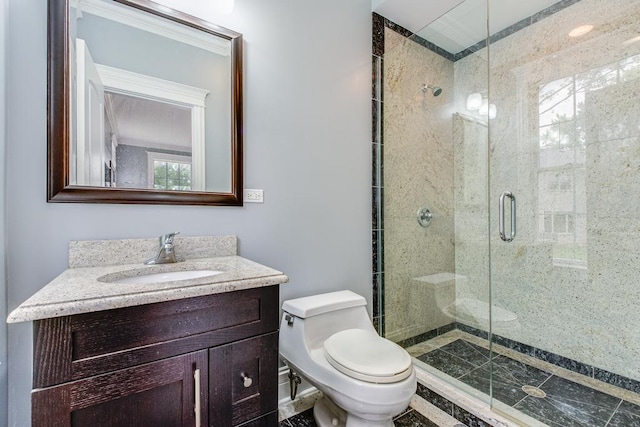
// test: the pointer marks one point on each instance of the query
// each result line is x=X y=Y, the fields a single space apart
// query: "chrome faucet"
x=166 y=254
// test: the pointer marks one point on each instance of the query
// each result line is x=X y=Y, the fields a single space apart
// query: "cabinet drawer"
x=243 y=380
x=79 y=346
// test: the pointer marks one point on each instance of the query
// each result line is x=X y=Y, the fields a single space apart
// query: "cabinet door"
x=161 y=393
x=243 y=380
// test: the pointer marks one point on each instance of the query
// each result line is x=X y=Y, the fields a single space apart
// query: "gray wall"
x=3 y=270
x=308 y=136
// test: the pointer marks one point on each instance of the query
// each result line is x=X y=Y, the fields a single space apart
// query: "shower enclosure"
x=507 y=207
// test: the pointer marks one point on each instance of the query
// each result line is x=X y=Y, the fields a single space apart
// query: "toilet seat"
x=364 y=355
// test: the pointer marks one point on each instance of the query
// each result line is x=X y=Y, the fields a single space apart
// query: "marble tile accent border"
x=524 y=23
x=557 y=360
x=380 y=23
x=427 y=335
x=378 y=39
x=99 y=253
x=377 y=26
x=377 y=190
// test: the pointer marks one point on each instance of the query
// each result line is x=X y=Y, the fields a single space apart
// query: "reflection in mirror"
x=143 y=129
x=153 y=105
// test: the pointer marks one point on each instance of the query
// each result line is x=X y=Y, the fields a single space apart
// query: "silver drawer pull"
x=503 y=234
x=246 y=381
x=196 y=377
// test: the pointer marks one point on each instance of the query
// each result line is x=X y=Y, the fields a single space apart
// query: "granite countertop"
x=86 y=289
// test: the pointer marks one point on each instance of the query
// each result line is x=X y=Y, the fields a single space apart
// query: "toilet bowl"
x=328 y=339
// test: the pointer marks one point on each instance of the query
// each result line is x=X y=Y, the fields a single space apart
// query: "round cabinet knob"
x=246 y=381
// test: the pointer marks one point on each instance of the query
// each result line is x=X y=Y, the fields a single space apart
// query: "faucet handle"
x=167 y=239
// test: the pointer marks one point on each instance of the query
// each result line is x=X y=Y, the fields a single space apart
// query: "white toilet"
x=330 y=341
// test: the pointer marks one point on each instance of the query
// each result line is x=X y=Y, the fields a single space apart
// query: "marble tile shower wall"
x=418 y=171
x=566 y=141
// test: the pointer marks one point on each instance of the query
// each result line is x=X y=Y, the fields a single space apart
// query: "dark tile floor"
x=409 y=418
x=537 y=393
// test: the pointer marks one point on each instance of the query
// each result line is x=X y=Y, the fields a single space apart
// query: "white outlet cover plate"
x=253 y=196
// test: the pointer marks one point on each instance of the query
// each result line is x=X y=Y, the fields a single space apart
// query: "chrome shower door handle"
x=503 y=234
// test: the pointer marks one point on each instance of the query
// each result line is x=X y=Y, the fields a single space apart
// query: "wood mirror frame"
x=58 y=118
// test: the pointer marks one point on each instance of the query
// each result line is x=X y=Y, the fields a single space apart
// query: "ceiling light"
x=580 y=31
x=633 y=40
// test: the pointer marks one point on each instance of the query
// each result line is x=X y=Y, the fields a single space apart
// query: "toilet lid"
x=366 y=356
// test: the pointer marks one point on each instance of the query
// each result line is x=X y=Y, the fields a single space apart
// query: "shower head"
x=436 y=90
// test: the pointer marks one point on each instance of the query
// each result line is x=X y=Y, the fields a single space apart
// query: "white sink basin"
x=170 y=276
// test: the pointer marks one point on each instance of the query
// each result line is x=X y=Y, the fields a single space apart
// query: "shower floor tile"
x=536 y=392
x=504 y=389
x=449 y=364
x=627 y=414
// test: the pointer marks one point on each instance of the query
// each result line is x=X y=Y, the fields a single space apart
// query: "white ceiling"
x=148 y=123
x=455 y=25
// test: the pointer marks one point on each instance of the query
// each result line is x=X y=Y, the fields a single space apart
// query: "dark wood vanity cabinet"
x=155 y=364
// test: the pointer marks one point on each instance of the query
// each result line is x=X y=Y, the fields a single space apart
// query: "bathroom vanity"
x=198 y=351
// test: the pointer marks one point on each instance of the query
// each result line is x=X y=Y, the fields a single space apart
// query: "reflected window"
x=562 y=156
x=170 y=172
x=560 y=182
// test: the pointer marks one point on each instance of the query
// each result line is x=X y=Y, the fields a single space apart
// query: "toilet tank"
x=315 y=305
x=317 y=317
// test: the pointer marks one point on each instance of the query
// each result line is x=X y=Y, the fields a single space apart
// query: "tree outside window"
x=171 y=175
x=169 y=171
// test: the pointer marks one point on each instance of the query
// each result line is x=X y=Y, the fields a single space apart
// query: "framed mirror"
x=144 y=105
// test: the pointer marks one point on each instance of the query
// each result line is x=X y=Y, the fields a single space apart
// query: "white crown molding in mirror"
x=139 y=85
x=136 y=84
x=150 y=23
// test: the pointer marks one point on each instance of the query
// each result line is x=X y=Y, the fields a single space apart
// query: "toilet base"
x=328 y=414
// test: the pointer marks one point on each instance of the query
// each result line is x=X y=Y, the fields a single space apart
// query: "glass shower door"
x=435 y=274
x=564 y=159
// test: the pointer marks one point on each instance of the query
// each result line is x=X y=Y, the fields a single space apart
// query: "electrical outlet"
x=253 y=196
